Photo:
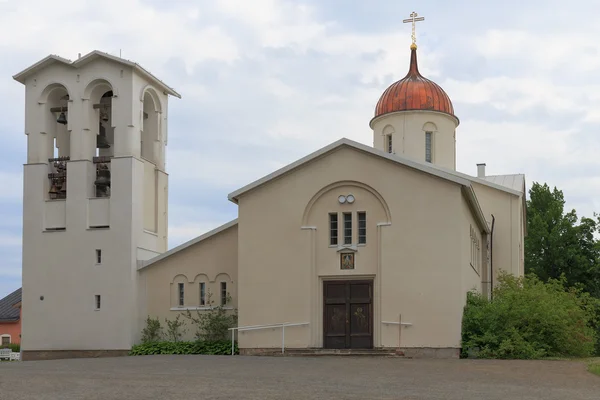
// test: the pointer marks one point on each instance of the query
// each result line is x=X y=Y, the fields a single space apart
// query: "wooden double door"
x=348 y=314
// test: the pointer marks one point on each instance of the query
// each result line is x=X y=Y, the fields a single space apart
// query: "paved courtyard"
x=221 y=377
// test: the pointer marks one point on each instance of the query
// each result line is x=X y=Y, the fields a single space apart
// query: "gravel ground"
x=221 y=377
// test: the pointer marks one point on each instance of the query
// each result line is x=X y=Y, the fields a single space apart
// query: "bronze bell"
x=53 y=192
x=103 y=178
x=62 y=119
x=101 y=141
x=103 y=115
x=63 y=188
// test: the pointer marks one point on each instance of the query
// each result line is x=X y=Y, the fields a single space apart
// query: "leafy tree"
x=558 y=243
x=528 y=319
x=153 y=331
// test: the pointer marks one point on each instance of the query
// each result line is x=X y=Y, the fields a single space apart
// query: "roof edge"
x=475 y=207
x=187 y=244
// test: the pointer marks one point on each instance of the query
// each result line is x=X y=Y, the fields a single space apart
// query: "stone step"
x=340 y=352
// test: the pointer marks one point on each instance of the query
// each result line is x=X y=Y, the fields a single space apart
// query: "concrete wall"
x=408 y=135
x=414 y=251
x=212 y=261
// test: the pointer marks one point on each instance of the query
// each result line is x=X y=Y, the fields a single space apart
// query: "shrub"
x=152 y=332
x=175 y=329
x=530 y=319
x=222 y=347
x=213 y=324
x=14 y=347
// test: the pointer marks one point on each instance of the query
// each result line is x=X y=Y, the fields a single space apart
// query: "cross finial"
x=413 y=18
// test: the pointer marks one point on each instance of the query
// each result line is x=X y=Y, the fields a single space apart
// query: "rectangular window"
x=428 y=146
x=347 y=228
x=5 y=340
x=389 y=143
x=98 y=302
x=362 y=227
x=98 y=256
x=181 y=295
x=333 y=229
x=202 y=293
x=223 y=293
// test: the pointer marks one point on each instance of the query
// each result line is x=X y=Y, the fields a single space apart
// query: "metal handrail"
x=397 y=323
x=268 y=326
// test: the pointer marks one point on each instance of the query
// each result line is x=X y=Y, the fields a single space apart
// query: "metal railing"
x=258 y=327
x=400 y=325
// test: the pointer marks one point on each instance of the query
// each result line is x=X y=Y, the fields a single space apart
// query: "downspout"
x=492 y=259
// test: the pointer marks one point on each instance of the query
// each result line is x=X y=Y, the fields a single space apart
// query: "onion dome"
x=414 y=92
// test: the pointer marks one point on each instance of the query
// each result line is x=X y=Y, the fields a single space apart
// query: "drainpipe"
x=492 y=259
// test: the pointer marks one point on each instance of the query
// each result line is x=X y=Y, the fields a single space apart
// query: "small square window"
x=98 y=302
x=5 y=340
x=98 y=256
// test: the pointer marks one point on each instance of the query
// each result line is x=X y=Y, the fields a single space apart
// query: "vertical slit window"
x=98 y=302
x=389 y=143
x=98 y=256
x=202 y=293
x=347 y=228
x=428 y=146
x=223 y=293
x=333 y=229
x=181 y=295
x=362 y=227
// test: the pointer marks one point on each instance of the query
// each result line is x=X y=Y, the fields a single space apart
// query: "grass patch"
x=594 y=366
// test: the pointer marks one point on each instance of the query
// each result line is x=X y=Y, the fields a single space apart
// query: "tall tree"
x=559 y=243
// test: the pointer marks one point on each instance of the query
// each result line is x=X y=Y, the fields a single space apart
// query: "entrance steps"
x=342 y=353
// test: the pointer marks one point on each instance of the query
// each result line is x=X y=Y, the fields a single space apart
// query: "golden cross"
x=413 y=18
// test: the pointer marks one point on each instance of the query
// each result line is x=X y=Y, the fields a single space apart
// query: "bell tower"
x=95 y=201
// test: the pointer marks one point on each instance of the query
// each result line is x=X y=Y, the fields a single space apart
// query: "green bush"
x=221 y=347
x=14 y=347
x=213 y=324
x=153 y=331
x=528 y=319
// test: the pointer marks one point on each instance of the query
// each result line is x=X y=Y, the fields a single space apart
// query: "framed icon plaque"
x=347 y=261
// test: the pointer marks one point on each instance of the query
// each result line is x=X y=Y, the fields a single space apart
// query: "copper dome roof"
x=414 y=92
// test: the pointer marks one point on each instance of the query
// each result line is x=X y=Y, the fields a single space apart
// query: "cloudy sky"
x=264 y=82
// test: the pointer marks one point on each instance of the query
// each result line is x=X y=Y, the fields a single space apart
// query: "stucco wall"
x=416 y=261
x=508 y=227
x=212 y=261
x=13 y=329
x=408 y=135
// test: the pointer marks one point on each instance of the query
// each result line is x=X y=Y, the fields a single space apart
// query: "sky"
x=265 y=82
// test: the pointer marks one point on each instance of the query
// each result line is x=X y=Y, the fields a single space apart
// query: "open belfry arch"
x=352 y=247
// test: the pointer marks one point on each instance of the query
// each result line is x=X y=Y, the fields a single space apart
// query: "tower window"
x=98 y=256
x=428 y=146
x=362 y=227
x=388 y=140
x=223 y=293
x=181 y=294
x=333 y=229
x=98 y=302
x=202 y=293
x=347 y=228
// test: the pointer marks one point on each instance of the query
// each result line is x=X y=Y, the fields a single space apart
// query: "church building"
x=350 y=247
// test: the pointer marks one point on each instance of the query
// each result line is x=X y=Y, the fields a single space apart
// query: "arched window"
x=428 y=151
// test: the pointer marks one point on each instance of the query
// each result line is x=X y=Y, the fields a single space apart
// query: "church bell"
x=62 y=119
x=101 y=141
x=102 y=181
x=53 y=192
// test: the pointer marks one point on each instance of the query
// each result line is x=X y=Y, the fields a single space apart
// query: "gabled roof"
x=8 y=311
x=443 y=173
x=187 y=244
x=51 y=59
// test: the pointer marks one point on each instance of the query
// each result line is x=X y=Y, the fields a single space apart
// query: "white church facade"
x=357 y=247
